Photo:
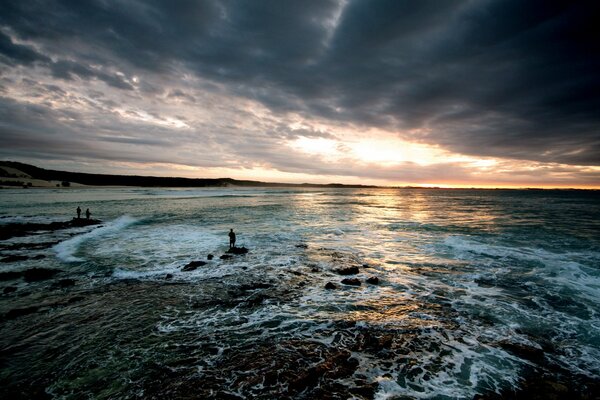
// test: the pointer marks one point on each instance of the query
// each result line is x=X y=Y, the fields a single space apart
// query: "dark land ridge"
x=150 y=181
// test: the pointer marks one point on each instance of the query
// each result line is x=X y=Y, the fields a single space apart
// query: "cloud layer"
x=230 y=84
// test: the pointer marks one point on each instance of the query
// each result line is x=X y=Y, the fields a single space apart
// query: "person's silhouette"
x=231 y=238
x=78 y=212
x=88 y=213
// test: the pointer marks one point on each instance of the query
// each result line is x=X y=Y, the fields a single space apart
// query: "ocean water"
x=478 y=291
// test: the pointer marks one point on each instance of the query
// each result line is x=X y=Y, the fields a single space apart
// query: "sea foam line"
x=66 y=250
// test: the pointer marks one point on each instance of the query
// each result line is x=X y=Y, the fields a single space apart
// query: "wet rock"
x=347 y=271
x=374 y=342
x=9 y=289
x=210 y=257
x=168 y=276
x=14 y=230
x=373 y=280
x=193 y=265
x=39 y=274
x=237 y=250
x=338 y=366
x=330 y=286
x=315 y=269
x=366 y=266
x=256 y=299
x=29 y=246
x=523 y=351
x=364 y=389
x=226 y=257
x=64 y=283
x=18 y=312
x=255 y=286
x=302 y=246
x=222 y=395
x=14 y=258
x=10 y=275
x=351 y=281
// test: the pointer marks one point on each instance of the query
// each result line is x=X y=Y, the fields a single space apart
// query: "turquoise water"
x=466 y=277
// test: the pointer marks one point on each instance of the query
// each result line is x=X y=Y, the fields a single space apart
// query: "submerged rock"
x=210 y=257
x=13 y=230
x=330 y=286
x=168 y=276
x=347 y=271
x=193 y=265
x=9 y=289
x=226 y=257
x=10 y=275
x=18 y=312
x=64 y=283
x=373 y=280
x=39 y=274
x=237 y=250
x=302 y=246
x=14 y=258
x=351 y=281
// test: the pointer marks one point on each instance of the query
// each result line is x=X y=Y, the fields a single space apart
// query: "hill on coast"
x=14 y=173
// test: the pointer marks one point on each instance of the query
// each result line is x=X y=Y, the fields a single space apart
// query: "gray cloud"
x=507 y=79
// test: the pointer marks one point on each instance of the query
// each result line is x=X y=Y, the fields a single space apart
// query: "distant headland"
x=16 y=174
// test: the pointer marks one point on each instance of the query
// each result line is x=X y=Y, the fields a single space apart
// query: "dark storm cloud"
x=509 y=79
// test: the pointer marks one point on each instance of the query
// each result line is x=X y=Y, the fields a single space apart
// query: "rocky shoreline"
x=8 y=231
x=48 y=333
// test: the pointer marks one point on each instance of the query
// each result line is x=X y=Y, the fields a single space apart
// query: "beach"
x=478 y=294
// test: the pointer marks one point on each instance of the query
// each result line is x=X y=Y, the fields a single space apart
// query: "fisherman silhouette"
x=88 y=213
x=231 y=238
x=78 y=212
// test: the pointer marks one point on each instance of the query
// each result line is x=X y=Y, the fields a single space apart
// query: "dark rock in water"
x=523 y=351
x=302 y=246
x=64 y=283
x=347 y=271
x=338 y=366
x=9 y=289
x=373 y=280
x=210 y=257
x=10 y=275
x=226 y=257
x=14 y=258
x=237 y=250
x=330 y=285
x=228 y=396
x=168 y=276
x=29 y=246
x=193 y=265
x=364 y=389
x=351 y=281
x=255 y=286
x=13 y=230
x=18 y=312
x=366 y=266
x=39 y=274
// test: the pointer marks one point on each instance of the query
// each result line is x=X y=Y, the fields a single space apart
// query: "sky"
x=481 y=93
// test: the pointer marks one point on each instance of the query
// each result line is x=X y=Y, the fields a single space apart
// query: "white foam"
x=67 y=249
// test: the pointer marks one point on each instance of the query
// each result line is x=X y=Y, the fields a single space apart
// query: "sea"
x=479 y=294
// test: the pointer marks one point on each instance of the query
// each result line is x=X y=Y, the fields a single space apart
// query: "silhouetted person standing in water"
x=78 y=212
x=88 y=213
x=231 y=238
